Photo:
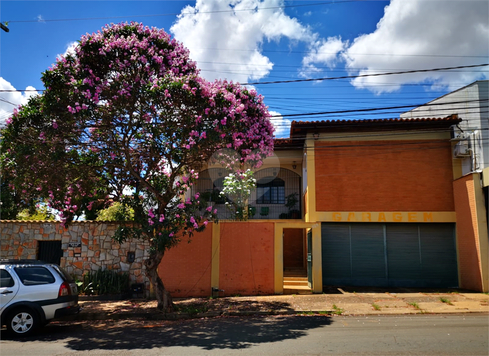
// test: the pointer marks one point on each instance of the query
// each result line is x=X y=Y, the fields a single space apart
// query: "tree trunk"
x=165 y=301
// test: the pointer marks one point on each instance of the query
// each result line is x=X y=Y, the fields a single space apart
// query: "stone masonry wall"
x=87 y=246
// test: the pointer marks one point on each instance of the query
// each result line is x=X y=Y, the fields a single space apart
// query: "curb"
x=181 y=316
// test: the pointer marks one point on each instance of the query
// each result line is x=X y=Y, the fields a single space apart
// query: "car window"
x=6 y=279
x=30 y=276
x=63 y=273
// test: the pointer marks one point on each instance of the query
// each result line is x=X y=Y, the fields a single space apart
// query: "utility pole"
x=3 y=27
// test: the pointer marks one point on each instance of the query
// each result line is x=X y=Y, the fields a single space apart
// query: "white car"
x=34 y=292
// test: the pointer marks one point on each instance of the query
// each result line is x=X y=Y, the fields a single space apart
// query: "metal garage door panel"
x=368 y=254
x=438 y=255
x=335 y=252
x=403 y=256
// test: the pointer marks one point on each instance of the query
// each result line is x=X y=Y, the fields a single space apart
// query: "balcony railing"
x=265 y=208
x=277 y=194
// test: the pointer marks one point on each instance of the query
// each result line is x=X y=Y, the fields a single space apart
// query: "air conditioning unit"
x=460 y=136
x=462 y=150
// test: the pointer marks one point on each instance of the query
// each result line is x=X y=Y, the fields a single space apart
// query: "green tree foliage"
x=116 y=212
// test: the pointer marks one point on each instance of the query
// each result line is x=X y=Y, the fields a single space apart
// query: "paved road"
x=267 y=335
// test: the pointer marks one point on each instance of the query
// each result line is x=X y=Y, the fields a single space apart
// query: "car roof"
x=22 y=262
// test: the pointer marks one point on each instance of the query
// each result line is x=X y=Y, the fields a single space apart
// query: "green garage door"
x=395 y=255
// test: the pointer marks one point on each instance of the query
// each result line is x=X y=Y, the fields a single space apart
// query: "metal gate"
x=395 y=255
x=50 y=251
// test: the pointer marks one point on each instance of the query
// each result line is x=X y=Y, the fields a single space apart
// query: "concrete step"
x=295 y=272
x=296 y=283
x=297 y=290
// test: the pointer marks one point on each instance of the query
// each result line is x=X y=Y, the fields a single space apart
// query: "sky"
x=294 y=53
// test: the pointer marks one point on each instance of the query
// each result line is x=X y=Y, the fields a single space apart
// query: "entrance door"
x=294 y=246
x=50 y=251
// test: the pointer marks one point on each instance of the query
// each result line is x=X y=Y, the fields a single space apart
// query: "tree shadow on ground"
x=208 y=334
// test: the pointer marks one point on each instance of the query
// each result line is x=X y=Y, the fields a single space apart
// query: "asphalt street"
x=266 y=335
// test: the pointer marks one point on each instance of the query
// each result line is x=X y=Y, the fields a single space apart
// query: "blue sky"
x=263 y=41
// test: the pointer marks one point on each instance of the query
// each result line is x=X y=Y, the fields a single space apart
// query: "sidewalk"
x=335 y=302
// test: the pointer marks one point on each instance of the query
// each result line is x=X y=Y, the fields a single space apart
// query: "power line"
x=366 y=75
x=375 y=109
x=186 y=13
x=313 y=80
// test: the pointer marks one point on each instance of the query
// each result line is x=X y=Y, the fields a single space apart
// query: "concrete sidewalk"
x=337 y=302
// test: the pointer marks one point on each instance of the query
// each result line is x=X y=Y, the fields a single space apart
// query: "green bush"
x=103 y=282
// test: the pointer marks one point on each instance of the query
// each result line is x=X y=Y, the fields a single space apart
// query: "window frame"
x=272 y=192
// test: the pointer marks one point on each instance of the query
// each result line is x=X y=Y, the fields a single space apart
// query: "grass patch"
x=414 y=304
x=337 y=311
x=445 y=300
x=376 y=306
x=320 y=312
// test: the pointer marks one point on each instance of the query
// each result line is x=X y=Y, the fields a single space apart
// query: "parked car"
x=34 y=292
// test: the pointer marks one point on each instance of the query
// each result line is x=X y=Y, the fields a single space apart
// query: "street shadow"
x=208 y=334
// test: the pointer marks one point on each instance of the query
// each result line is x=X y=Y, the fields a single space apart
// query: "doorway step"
x=296 y=285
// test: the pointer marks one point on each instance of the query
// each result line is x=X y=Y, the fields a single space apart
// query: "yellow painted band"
x=216 y=249
x=388 y=216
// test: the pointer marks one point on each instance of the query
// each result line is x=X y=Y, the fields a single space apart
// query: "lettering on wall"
x=383 y=217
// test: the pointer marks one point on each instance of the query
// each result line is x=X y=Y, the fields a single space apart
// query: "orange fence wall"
x=246 y=262
x=384 y=176
x=186 y=269
x=467 y=234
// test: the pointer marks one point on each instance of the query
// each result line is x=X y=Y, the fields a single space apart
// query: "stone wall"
x=87 y=246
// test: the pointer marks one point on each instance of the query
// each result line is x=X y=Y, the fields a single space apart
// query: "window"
x=6 y=279
x=30 y=276
x=270 y=191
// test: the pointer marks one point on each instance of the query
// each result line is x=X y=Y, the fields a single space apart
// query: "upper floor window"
x=270 y=191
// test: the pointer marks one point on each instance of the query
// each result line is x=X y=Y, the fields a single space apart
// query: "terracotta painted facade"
x=384 y=176
x=471 y=234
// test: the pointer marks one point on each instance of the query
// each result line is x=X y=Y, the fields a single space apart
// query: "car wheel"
x=22 y=322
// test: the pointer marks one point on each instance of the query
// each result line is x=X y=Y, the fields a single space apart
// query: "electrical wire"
x=366 y=75
x=186 y=13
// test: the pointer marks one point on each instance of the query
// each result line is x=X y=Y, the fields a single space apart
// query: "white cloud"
x=227 y=44
x=70 y=49
x=421 y=33
x=282 y=126
x=12 y=99
x=322 y=52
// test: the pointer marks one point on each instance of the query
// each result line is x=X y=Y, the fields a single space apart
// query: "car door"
x=8 y=288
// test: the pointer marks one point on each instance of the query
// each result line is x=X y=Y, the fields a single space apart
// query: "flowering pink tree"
x=127 y=112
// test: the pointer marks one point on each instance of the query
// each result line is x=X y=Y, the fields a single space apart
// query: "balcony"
x=277 y=195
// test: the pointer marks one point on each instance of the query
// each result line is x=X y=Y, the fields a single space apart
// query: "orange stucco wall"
x=384 y=176
x=186 y=269
x=246 y=258
x=467 y=234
